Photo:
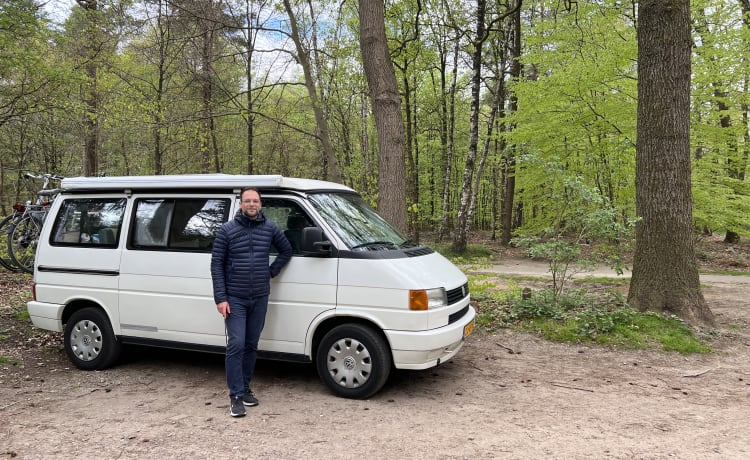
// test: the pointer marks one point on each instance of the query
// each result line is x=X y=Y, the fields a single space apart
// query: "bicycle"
x=23 y=234
x=5 y=260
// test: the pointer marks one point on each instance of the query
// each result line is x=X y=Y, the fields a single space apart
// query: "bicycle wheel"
x=22 y=242
x=6 y=261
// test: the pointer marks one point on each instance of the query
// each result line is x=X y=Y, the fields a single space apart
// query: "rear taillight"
x=33 y=291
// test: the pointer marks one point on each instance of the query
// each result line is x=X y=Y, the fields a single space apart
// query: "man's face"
x=250 y=204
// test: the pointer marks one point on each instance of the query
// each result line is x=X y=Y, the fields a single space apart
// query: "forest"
x=520 y=118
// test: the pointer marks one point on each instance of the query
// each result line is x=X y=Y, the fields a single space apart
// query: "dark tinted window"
x=187 y=224
x=91 y=222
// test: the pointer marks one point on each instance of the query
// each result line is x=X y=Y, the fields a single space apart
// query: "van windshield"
x=357 y=224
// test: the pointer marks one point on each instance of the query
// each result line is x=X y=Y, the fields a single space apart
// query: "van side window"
x=181 y=224
x=92 y=222
x=290 y=218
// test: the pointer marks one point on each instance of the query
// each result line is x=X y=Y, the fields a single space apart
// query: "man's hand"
x=223 y=308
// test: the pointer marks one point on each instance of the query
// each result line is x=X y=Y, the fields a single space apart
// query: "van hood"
x=421 y=272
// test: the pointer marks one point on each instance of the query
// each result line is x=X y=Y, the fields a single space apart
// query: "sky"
x=58 y=9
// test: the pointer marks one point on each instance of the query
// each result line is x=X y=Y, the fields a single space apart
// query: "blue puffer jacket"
x=240 y=259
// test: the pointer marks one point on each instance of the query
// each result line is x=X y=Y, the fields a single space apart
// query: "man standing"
x=241 y=278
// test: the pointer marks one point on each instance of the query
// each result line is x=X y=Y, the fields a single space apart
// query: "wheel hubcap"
x=349 y=363
x=86 y=340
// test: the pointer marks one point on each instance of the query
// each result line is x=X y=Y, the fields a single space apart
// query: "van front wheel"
x=89 y=340
x=354 y=361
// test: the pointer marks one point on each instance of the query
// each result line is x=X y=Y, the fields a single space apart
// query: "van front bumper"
x=426 y=349
x=46 y=315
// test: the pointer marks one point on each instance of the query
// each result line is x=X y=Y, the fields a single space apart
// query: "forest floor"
x=506 y=395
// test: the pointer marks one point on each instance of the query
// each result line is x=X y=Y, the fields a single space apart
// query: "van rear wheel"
x=90 y=341
x=354 y=361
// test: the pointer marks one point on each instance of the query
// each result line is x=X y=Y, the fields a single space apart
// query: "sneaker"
x=249 y=399
x=236 y=409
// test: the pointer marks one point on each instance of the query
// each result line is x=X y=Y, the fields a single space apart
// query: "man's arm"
x=218 y=262
x=285 y=251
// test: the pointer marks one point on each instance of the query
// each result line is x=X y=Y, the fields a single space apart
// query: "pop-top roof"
x=197 y=181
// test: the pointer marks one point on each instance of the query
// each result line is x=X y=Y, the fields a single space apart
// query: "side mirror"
x=314 y=243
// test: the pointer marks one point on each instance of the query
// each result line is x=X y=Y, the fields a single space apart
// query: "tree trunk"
x=386 y=108
x=460 y=235
x=497 y=107
x=330 y=165
x=91 y=94
x=206 y=79
x=447 y=140
x=163 y=29
x=251 y=17
x=509 y=152
x=665 y=274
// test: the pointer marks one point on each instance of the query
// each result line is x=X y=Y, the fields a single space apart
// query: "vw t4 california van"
x=126 y=260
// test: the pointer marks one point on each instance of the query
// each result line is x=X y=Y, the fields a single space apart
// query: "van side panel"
x=168 y=296
x=304 y=289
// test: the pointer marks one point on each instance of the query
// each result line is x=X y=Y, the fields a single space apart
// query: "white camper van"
x=126 y=260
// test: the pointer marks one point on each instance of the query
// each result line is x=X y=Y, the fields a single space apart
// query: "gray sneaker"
x=236 y=409
x=249 y=399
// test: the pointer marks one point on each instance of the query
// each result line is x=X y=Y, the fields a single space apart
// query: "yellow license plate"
x=469 y=328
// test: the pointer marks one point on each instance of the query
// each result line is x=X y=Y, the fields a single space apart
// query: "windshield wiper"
x=372 y=244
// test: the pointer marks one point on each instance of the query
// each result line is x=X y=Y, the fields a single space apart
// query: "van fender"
x=72 y=304
x=334 y=317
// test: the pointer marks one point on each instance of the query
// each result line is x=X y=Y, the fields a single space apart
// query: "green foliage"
x=475 y=254
x=575 y=117
x=578 y=317
x=579 y=113
x=579 y=216
x=721 y=191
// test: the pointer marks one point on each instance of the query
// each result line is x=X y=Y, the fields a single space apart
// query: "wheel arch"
x=79 y=304
x=325 y=326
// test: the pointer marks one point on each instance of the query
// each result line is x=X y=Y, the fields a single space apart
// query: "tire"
x=23 y=238
x=90 y=342
x=353 y=361
x=6 y=261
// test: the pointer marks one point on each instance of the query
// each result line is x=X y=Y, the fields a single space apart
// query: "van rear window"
x=92 y=222
x=182 y=224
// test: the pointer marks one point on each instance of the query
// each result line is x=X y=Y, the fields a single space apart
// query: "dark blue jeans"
x=244 y=325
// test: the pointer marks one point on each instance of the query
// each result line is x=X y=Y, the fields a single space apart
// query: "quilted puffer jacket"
x=240 y=258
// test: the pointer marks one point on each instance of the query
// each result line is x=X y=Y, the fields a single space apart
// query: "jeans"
x=244 y=325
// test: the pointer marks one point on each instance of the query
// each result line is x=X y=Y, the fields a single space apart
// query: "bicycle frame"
x=24 y=228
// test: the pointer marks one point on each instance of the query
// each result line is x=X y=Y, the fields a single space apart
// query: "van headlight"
x=424 y=299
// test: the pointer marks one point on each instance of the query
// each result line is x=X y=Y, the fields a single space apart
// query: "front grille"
x=457 y=315
x=454 y=295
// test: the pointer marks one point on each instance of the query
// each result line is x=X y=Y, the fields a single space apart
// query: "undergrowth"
x=577 y=316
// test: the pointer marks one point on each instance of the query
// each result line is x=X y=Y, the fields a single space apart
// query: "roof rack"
x=196 y=181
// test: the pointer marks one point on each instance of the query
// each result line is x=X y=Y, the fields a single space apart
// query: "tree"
x=483 y=29
x=720 y=160
x=92 y=45
x=665 y=273
x=331 y=167
x=386 y=107
x=509 y=152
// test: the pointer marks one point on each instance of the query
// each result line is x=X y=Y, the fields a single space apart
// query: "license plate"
x=469 y=328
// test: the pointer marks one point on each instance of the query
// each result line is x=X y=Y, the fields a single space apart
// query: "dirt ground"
x=506 y=395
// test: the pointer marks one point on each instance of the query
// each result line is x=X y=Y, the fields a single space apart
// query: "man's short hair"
x=245 y=189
